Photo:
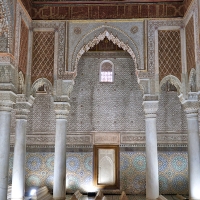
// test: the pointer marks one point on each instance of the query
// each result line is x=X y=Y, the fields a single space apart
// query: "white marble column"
x=18 y=177
x=152 y=179
x=191 y=110
x=59 y=187
x=5 y=119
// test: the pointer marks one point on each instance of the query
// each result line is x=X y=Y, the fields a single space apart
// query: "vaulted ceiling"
x=105 y=9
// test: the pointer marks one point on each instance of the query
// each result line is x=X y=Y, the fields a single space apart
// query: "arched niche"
x=174 y=81
x=121 y=40
x=41 y=85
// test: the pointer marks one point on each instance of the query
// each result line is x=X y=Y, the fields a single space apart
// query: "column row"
x=62 y=110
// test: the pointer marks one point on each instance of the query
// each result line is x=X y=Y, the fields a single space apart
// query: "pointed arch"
x=121 y=39
x=174 y=81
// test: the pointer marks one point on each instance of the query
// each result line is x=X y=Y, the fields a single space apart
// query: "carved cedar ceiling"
x=43 y=55
x=23 y=48
x=28 y=5
x=169 y=52
x=109 y=9
x=190 y=50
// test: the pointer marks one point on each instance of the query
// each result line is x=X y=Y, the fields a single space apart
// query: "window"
x=106 y=71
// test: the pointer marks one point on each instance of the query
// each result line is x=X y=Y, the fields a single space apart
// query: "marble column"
x=191 y=110
x=59 y=187
x=18 y=177
x=152 y=179
x=5 y=120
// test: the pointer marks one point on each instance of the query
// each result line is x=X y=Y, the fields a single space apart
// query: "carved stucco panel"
x=120 y=30
x=106 y=138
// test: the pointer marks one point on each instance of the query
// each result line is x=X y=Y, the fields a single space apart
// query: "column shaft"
x=18 y=176
x=152 y=180
x=59 y=187
x=193 y=156
x=5 y=119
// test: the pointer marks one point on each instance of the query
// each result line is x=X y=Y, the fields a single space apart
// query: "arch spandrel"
x=113 y=34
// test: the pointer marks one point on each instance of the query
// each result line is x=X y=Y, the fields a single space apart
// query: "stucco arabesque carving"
x=174 y=81
x=126 y=139
x=79 y=139
x=106 y=138
x=6 y=39
x=101 y=37
x=162 y=138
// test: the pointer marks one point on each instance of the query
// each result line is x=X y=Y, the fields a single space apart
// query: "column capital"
x=61 y=109
x=22 y=106
x=191 y=105
x=150 y=105
x=7 y=99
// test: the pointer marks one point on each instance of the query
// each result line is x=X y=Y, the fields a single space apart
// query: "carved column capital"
x=7 y=99
x=22 y=106
x=61 y=109
x=191 y=105
x=150 y=105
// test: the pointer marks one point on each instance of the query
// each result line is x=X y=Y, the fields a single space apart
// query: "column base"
x=59 y=198
x=151 y=198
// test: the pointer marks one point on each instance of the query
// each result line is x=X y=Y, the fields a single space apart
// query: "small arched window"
x=106 y=71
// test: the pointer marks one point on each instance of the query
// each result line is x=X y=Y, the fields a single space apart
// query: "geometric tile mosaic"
x=42 y=115
x=173 y=171
x=97 y=106
x=170 y=114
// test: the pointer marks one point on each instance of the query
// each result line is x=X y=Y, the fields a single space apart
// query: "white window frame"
x=100 y=71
